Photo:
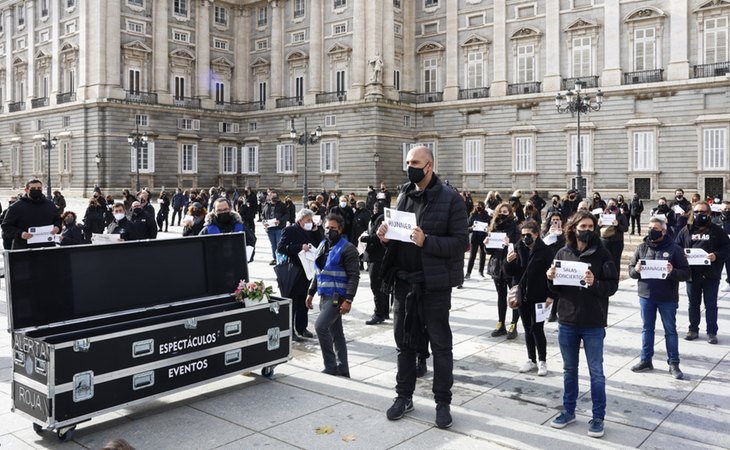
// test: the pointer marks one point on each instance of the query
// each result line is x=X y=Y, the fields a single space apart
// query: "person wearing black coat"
x=71 y=233
x=343 y=210
x=31 y=210
x=373 y=255
x=636 y=207
x=598 y=202
x=422 y=273
x=503 y=222
x=701 y=233
x=7 y=242
x=276 y=215
x=93 y=218
x=554 y=207
x=476 y=240
x=372 y=197
x=724 y=223
x=194 y=221
x=537 y=201
x=527 y=265
x=142 y=224
x=178 y=205
x=295 y=238
x=570 y=204
x=554 y=238
x=164 y=213
x=664 y=209
x=612 y=236
x=681 y=219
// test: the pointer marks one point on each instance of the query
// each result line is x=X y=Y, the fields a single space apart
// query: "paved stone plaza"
x=494 y=406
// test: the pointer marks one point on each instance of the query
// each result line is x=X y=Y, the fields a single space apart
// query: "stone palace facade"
x=217 y=85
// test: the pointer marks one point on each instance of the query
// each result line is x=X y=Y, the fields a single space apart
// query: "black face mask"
x=416 y=174
x=663 y=208
x=655 y=235
x=701 y=219
x=528 y=240
x=571 y=197
x=69 y=221
x=332 y=236
x=137 y=211
x=584 y=236
x=224 y=218
x=726 y=215
x=680 y=197
x=35 y=194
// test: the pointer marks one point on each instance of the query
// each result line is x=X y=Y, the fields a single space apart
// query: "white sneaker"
x=541 y=368
x=529 y=366
x=725 y=288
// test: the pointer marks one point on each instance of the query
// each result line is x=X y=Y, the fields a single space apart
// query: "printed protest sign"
x=400 y=224
x=570 y=273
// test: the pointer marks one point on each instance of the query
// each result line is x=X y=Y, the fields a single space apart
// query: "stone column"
x=451 y=89
x=277 y=52
x=552 y=79
x=374 y=48
x=55 y=76
x=315 y=49
x=9 y=88
x=678 y=68
x=112 y=83
x=409 y=79
x=160 y=52
x=30 y=57
x=241 y=71
x=359 y=56
x=202 y=47
x=388 y=54
x=499 y=63
x=611 y=75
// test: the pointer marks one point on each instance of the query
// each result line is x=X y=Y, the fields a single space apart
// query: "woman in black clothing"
x=93 y=219
x=71 y=233
x=374 y=252
x=554 y=237
x=612 y=236
x=503 y=222
x=477 y=240
x=528 y=264
x=597 y=203
x=164 y=213
x=194 y=222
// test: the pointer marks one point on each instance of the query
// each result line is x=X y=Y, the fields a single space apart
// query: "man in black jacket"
x=701 y=233
x=374 y=252
x=423 y=273
x=30 y=211
x=635 y=209
x=142 y=225
x=275 y=216
x=660 y=294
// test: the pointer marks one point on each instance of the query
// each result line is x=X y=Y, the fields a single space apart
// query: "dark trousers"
x=534 y=333
x=502 y=288
x=176 y=212
x=479 y=247
x=436 y=306
x=636 y=220
x=162 y=218
x=300 y=312
x=382 y=306
x=697 y=290
x=615 y=248
x=331 y=338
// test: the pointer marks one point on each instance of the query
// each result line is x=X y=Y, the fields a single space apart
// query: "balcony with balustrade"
x=39 y=102
x=467 y=94
x=147 y=98
x=644 y=76
x=711 y=70
x=421 y=97
x=532 y=87
x=331 y=97
x=585 y=82
x=186 y=102
x=16 y=106
x=286 y=102
x=66 y=97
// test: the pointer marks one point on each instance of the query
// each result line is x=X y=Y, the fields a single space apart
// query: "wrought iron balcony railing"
x=186 y=102
x=15 y=107
x=644 y=76
x=289 y=101
x=586 y=82
x=331 y=97
x=532 y=87
x=712 y=70
x=147 y=98
x=421 y=97
x=66 y=97
x=466 y=94
x=39 y=102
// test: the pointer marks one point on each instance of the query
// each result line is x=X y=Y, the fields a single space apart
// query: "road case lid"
x=50 y=285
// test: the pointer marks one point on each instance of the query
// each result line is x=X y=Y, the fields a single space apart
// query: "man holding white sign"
x=32 y=211
x=659 y=264
x=583 y=315
x=422 y=273
x=702 y=234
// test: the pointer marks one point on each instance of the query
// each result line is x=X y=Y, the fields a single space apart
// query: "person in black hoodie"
x=612 y=236
x=476 y=241
x=373 y=255
x=660 y=294
x=71 y=233
x=32 y=210
x=681 y=219
x=503 y=222
x=554 y=238
x=663 y=208
x=194 y=221
x=724 y=223
x=555 y=208
x=120 y=225
x=142 y=224
x=583 y=316
x=635 y=209
x=701 y=233
x=302 y=235
x=7 y=242
x=570 y=203
x=164 y=213
x=528 y=264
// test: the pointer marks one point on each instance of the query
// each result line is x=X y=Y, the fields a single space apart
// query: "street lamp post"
x=578 y=103
x=138 y=141
x=48 y=144
x=305 y=139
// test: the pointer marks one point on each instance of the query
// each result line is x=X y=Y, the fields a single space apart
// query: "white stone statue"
x=376 y=65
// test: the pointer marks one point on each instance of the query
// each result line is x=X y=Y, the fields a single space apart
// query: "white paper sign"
x=597 y=212
x=270 y=223
x=480 y=226
x=380 y=196
x=570 y=273
x=550 y=238
x=542 y=311
x=41 y=235
x=307 y=258
x=495 y=240
x=490 y=212
x=105 y=238
x=678 y=209
x=716 y=207
x=653 y=269
x=663 y=217
x=696 y=257
x=317 y=220
x=606 y=220
x=400 y=224
x=361 y=246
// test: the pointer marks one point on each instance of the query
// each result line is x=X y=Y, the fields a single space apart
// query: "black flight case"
x=97 y=328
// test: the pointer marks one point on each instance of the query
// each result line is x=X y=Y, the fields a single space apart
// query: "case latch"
x=41 y=366
x=143 y=380
x=83 y=386
x=191 y=323
x=143 y=348
x=274 y=307
x=82 y=345
x=232 y=328
x=232 y=357
x=273 y=340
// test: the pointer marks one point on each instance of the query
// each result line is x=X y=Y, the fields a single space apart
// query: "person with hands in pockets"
x=659 y=294
x=583 y=316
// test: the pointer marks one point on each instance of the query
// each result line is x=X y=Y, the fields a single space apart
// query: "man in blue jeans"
x=275 y=217
x=660 y=293
x=583 y=315
x=702 y=234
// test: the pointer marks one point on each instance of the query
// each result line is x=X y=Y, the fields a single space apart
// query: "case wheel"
x=65 y=434
x=268 y=371
x=37 y=428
